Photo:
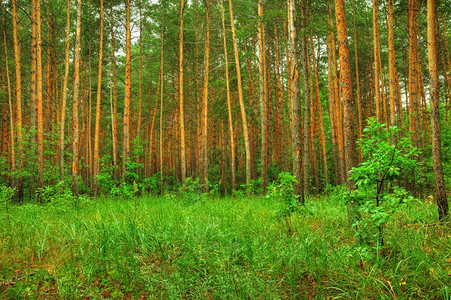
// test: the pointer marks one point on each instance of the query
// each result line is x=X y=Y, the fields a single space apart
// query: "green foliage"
x=378 y=196
x=225 y=248
x=191 y=189
x=6 y=195
x=60 y=197
x=282 y=191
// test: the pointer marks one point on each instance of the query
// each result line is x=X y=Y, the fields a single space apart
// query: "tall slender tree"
x=262 y=93
x=64 y=94
x=203 y=156
x=307 y=100
x=128 y=89
x=229 y=101
x=98 y=105
x=440 y=192
x=181 y=96
x=295 y=102
x=346 y=87
x=241 y=98
x=75 y=101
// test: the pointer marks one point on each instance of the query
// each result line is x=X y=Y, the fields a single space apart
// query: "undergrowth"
x=216 y=248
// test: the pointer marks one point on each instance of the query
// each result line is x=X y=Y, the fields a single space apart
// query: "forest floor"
x=216 y=248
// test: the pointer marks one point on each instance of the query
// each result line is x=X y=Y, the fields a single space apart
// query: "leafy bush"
x=282 y=190
x=378 y=196
x=191 y=189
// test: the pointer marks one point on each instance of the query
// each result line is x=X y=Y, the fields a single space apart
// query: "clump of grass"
x=216 y=248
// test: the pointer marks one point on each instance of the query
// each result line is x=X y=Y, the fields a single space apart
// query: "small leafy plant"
x=282 y=190
x=378 y=195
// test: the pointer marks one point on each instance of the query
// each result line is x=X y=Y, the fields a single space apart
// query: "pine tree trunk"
x=11 y=115
x=64 y=94
x=305 y=65
x=114 y=104
x=161 y=106
x=128 y=90
x=320 y=115
x=229 y=103
x=203 y=159
x=295 y=99
x=262 y=97
x=357 y=78
x=181 y=97
x=346 y=86
x=440 y=192
x=377 y=63
x=75 y=101
x=394 y=85
x=96 y=161
x=241 y=98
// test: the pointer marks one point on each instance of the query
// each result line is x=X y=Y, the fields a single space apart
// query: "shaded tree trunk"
x=75 y=101
x=295 y=99
x=262 y=99
x=440 y=192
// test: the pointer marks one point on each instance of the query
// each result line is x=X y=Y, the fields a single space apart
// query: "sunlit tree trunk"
x=229 y=102
x=75 y=101
x=241 y=98
x=181 y=97
x=64 y=94
x=346 y=87
x=377 y=63
x=440 y=192
x=128 y=90
x=98 y=106
x=392 y=75
x=203 y=155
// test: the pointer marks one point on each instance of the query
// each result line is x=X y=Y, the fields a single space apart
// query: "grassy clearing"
x=216 y=248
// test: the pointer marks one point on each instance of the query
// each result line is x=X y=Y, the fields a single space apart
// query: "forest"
x=294 y=149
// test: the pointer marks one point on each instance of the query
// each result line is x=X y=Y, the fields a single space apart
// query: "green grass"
x=216 y=248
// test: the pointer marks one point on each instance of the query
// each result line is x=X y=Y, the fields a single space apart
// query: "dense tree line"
x=230 y=92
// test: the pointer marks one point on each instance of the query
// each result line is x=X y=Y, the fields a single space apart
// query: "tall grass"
x=216 y=248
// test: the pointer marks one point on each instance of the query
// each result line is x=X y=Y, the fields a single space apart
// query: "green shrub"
x=378 y=196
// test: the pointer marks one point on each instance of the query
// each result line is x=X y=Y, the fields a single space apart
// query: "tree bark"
x=229 y=103
x=392 y=71
x=440 y=192
x=98 y=106
x=75 y=101
x=305 y=67
x=295 y=99
x=262 y=97
x=181 y=97
x=128 y=90
x=203 y=159
x=241 y=98
x=346 y=86
x=64 y=94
